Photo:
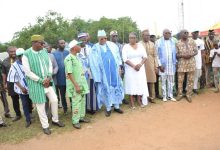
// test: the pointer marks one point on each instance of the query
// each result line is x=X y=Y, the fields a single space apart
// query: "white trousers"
x=197 y=75
x=1 y=121
x=51 y=95
x=169 y=79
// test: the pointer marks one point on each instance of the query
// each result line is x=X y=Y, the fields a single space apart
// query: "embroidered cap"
x=101 y=33
x=37 y=38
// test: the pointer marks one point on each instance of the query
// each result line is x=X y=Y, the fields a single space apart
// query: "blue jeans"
x=27 y=106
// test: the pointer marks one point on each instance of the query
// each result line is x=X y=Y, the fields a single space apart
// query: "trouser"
x=16 y=104
x=54 y=108
x=216 y=71
x=78 y=107
x=5 y=102
x=27 y=106
x=1 y=121
x=62 y=90
x=189 y=82
x=167 y=81
x=58 y=94
x=151 y=90
x=197 y=75
x=208 y=74
x=157 y=85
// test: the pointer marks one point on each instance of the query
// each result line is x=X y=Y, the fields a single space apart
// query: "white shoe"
x=173 y=99
x=165 y=99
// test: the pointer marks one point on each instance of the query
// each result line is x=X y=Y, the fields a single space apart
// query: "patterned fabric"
x=208 y=47
x=39 y=64
x=167 y=85
x=16 y=74
x=189 y=82
x=216 y=71
x=189 y=47
x=167 y=55
x=73 y=65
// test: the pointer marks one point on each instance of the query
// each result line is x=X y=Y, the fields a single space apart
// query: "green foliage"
x=53 y=27
x=3 y=47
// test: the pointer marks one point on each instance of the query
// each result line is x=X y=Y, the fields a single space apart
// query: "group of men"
x=92 y=75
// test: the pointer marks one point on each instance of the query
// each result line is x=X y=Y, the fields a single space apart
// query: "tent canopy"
x=215 y=27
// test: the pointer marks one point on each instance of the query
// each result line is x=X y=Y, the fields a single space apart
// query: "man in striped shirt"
x=38 y=69
x=16 y=75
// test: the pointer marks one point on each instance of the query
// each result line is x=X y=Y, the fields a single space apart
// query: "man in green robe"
x=77 y=86
x=38 y=70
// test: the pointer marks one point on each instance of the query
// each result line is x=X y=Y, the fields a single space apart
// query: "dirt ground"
x=164 y=126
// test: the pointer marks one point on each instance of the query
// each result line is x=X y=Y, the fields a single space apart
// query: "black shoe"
x=124 y=101
x=28 y=124
x=77 y=126
x=195 y=91
x=3 y=125
x=8 y=116
x=47 y=131
x=59 y=124
x=107 y=113
x=86 y=120
x=119 y=111
x=16 y=118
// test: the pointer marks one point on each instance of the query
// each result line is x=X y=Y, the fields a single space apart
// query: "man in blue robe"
x=105 y=61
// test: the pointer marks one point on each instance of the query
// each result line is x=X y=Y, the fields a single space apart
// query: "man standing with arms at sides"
x=105 y=61
x=83 y=55
x=114 y=39
x=186 y=50
x=38 y=69
x=166 y=48
x=208 y=62
x=77 y=86
x=3 y=96
x=198 y=58
x=60 y=54
x=151 y=63
x=6 y=65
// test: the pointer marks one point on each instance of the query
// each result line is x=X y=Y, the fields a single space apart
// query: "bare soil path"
x=164 y=126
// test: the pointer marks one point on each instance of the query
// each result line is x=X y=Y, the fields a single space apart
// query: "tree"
x=53 y=27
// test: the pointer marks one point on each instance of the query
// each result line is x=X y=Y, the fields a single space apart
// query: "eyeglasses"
x=186 y=32
x=167 y=33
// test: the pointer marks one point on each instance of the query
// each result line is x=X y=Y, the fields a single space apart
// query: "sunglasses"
x=167 y=33
x=186 y=32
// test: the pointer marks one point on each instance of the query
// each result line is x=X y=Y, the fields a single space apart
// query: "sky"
x=154 y=15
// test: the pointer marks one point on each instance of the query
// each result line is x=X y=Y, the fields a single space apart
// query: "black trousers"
x=156 y=87
x=16 y=104
x=62 y=91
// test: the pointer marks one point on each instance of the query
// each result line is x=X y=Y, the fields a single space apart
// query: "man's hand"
x=77 y=87
x=46 y=82
x=24 y=90
x=161 y=68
